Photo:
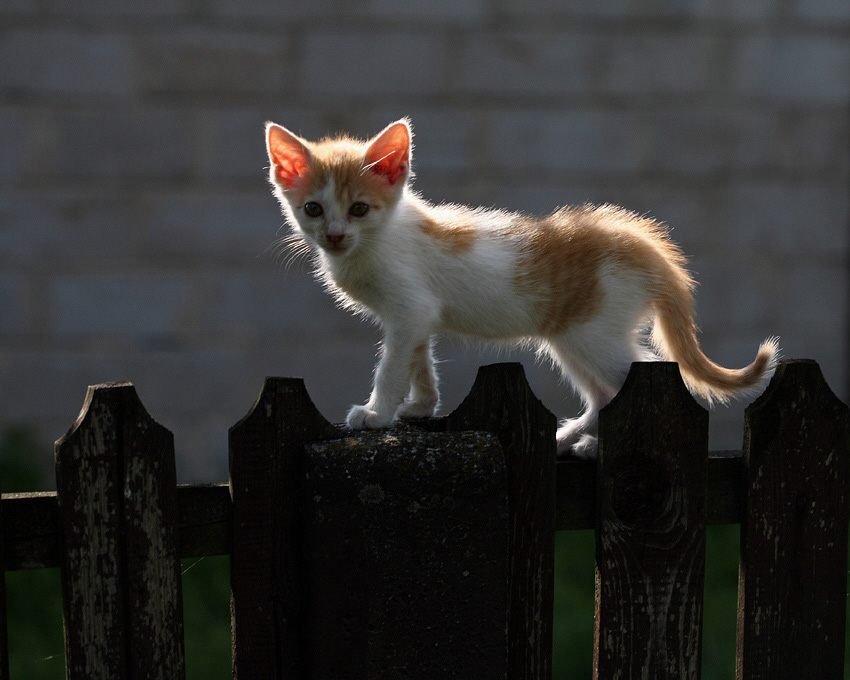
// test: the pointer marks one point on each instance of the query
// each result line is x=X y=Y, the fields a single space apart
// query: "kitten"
x=579 y=284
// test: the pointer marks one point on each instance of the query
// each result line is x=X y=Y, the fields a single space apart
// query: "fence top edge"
x=643 y=373
x=788 y=374
x=120 y=395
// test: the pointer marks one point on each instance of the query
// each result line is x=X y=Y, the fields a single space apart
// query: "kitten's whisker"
x=371 y=165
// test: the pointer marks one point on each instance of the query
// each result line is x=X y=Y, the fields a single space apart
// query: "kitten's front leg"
x=424 y=397
x=392 y=380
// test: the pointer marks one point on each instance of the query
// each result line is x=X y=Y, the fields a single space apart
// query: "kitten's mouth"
x=337 y=248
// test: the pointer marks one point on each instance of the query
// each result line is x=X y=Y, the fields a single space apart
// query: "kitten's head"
x=339 y=191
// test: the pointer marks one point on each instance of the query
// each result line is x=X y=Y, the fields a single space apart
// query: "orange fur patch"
x=456 y=234
x=562 y=255
x=340 y=160
x=421 y=371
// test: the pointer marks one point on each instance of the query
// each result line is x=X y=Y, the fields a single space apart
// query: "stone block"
x=599 y=140
x=689 y=141
x=734 y=292
x=815 y=295
x=656 y=62
x=234 y=145
x=828 y=11
x=17 y=8
x=223 y=227
x=507 y=64
x=16 y=312
x=555 y=10
x=813 y=141
x=144 y=308
x=445 y=139
x=782 y=217
x=273 y=12
x=798 y=69
x=41 y=228
x=446 y=12
x=124 y=144
x=198 y=62
x=50 y=63
x=361 y=64
x=13 y=127
x=124 y=9
x=272 y=306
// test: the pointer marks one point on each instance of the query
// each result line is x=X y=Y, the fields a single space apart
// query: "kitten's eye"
x=313 y=209
x=358 y=209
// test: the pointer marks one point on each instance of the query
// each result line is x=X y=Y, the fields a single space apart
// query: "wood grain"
x=502 y=402
x=793 y=578
x=266 y=452
x=650 y=545
x=117 y=519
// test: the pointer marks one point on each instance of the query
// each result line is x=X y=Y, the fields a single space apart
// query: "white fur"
x=417 y=285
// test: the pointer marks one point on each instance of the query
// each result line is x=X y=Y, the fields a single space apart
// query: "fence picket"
x=266 y=449
x=305 y=556
x=4 y=638
x=405 y=577
x=502 y=402
x=121 y=585
x=650 y=545
x=793 y=577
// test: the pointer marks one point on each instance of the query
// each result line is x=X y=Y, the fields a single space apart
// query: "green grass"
x=574 y=604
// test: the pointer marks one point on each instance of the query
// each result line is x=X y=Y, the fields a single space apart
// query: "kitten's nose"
x=336 y=239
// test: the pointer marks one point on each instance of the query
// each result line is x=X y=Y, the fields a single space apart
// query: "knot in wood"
x=640 y=489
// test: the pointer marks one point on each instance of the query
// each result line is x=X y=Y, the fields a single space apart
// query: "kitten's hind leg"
x=423 y=399
x=577 y=436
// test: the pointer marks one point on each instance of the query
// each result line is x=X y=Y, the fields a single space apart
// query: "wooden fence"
x=426 y=551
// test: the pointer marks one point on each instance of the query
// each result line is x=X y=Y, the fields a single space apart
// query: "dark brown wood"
x=793 y=578
x=205 y=521
x=405 y=558
x=31 y=529
x=266 y=460
x=4 y=638
x=650 y=545
x=502 y=402
x=117 y=517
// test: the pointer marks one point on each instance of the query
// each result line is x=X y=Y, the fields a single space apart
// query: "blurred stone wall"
x=137 y=230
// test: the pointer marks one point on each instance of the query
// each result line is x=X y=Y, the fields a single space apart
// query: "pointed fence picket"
x=426 y=551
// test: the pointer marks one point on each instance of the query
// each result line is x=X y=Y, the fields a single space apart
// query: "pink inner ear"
x=389 y=154
x=289 y=156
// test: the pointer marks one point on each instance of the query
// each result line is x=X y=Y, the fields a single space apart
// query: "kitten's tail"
x=674 y=336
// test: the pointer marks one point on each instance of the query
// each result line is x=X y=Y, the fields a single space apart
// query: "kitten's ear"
x=289 y=155
x=388 y=154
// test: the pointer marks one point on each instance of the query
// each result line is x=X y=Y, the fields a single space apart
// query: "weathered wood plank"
x=405 y=561
x=502 y=402
x=266 y=460
x=793 y=578
x=31 y=530
x=203 y=512
x=650 y=545
x=117 y=517
x=4 y=637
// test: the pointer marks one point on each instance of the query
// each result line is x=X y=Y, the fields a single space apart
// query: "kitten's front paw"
x=416 y=409
x=364 y=418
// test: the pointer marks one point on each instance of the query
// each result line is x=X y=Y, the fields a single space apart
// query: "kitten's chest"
x=363 y=285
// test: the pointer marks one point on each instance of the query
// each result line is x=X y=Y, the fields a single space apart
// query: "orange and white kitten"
x=579 y=284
